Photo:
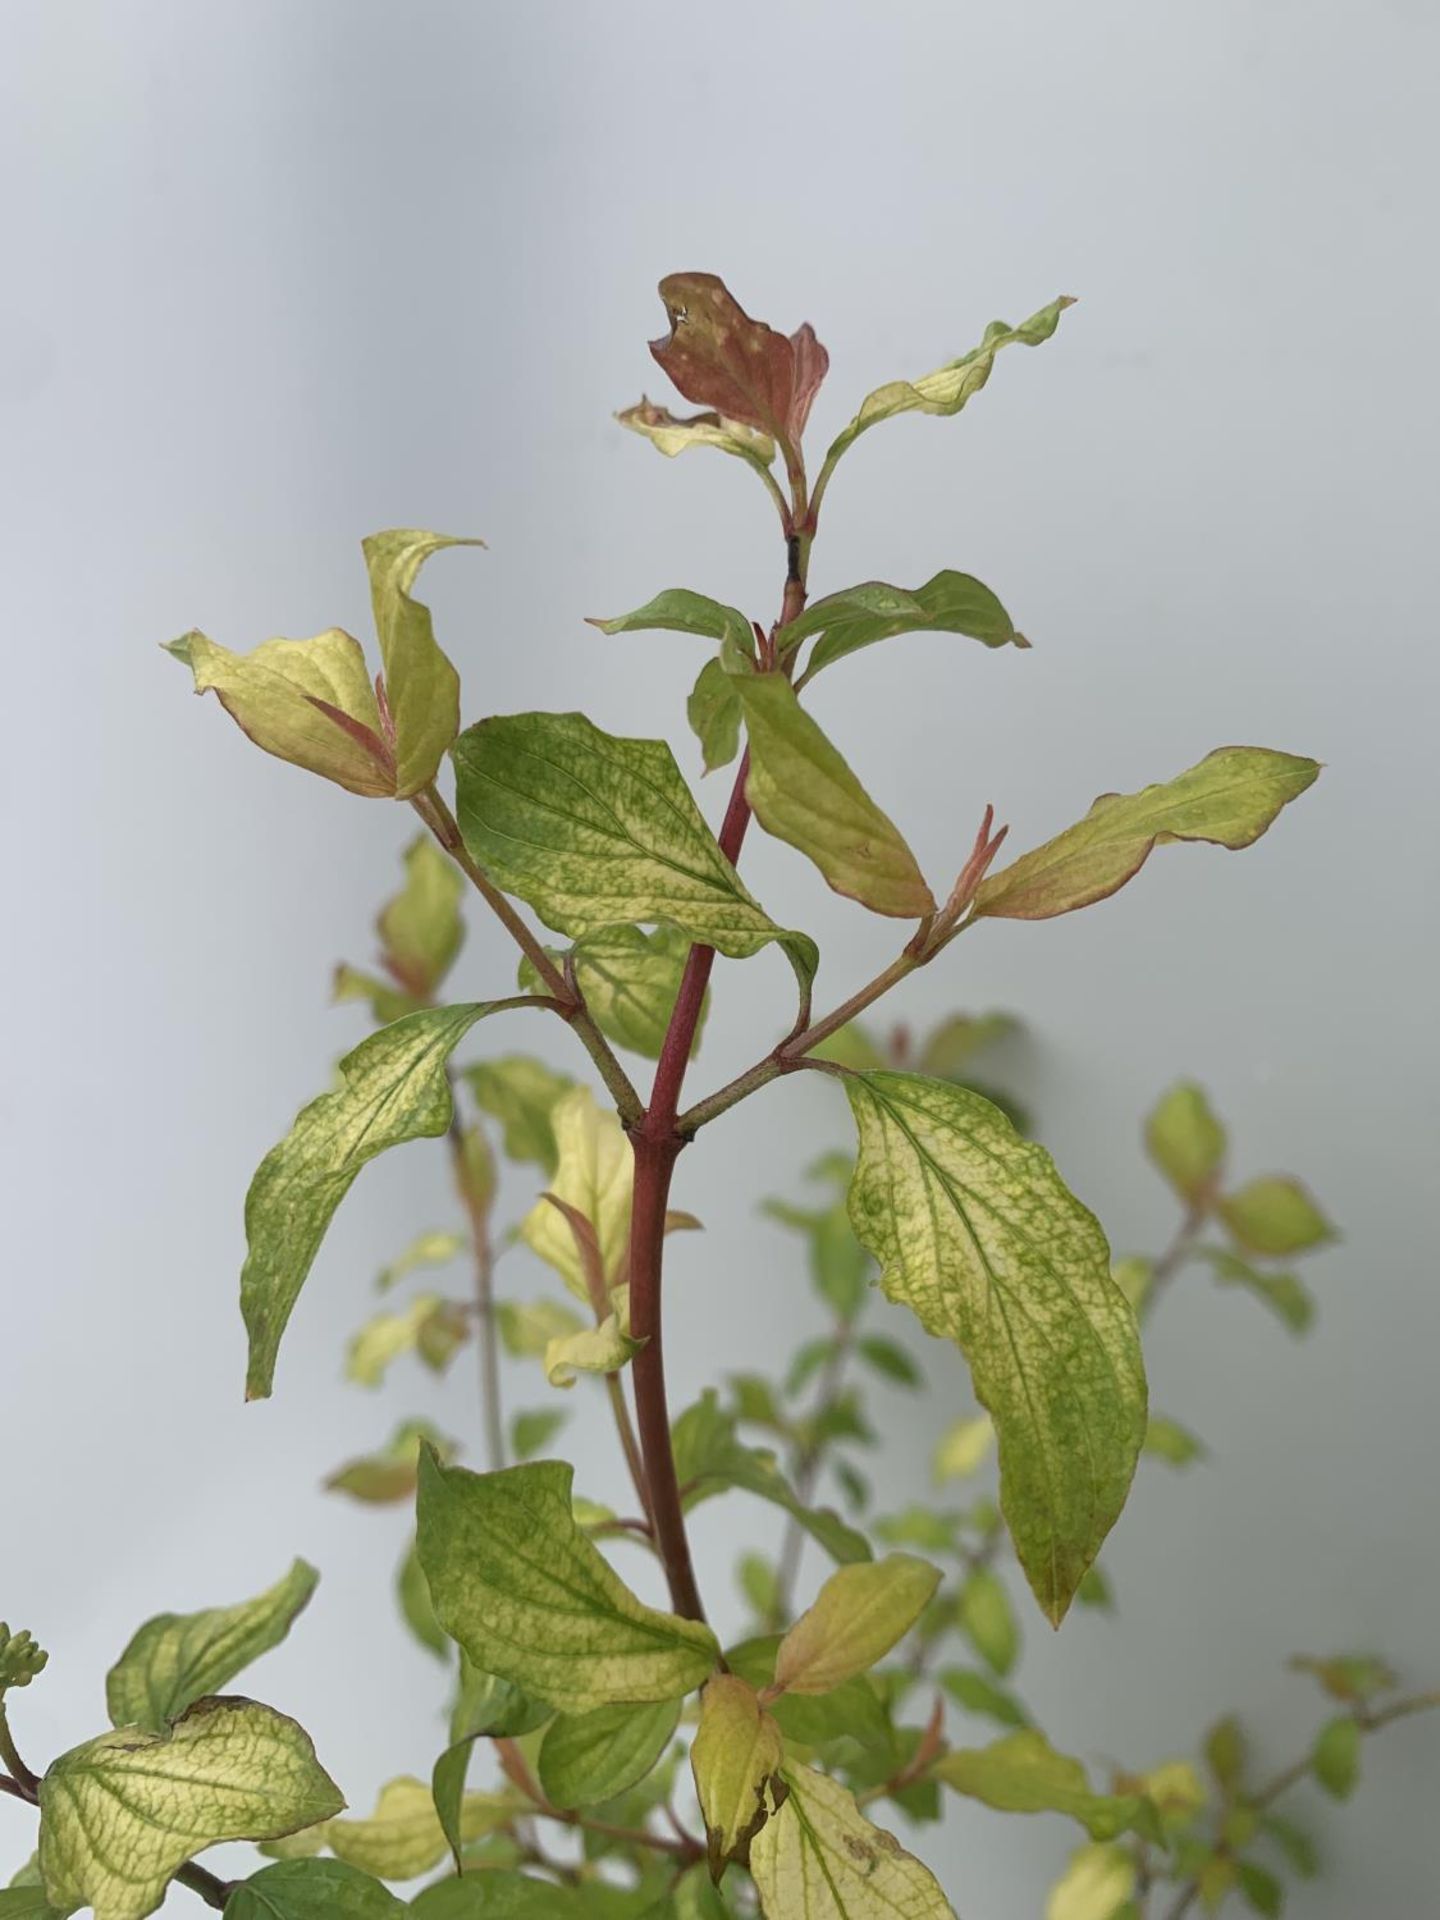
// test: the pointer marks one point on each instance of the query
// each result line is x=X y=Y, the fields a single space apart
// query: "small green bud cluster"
x=20 y=1658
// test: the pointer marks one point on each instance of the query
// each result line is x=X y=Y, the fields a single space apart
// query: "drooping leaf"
x=629 y=979
x=947 y=389
x=861 y=1612
x=387 y=1476
x=978 y=1235
x=709 y=1458
x=306 y=701
x=120 y=1814
x=520 y=1092
x=421 y=930
x=394 y=1088
x=422 y=688
x=678 y=610
x=819 y=1858
x=719 y=357
x=985 y=1616
x=803 y=792
x=589 y=1758
x=176 y=1659
x=1228 y=799
x=1285 y=1294
x=596 y=831
x=312 y=1890
x=404 y=1838
x=595 y=1175
x=859 y=616
x=736 y=1754
x=1336 y=1757
x=1095 y=1885
x=530 y=1599
x=671 y=434
x=1274 y=1216
x=1186 y=1141
x=713 y=710
x=1022 y=1773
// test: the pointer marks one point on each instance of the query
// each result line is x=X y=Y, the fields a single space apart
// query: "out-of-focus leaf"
x=1186 y=1141
x=521 y=1092
x=421 y=929
x=1274 y=1216
x=1023 y=1773
x=382 y=1478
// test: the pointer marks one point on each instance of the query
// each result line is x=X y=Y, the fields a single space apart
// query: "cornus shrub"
x=609 y=1751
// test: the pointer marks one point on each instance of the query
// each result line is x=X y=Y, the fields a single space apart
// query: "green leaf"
x=1285 y=1294
x=594 y=831
x=121 y=1814
x=1171 y=1442
x=947 y=389
x=978 y=1235
x=859 y=616
x=949 y=1050
x=672 y=434
x=394 y=1088
x=589 y=1758
x=381 y=1479
x=430 y=1325
x=1274 y=1216
x=1336 y=1757
x=422 y=688
x=306 y=701
x=1186 y=1141
x=432 y=1249
x=486 y=1704
x=176 y=1659
x=976 y=1693
x=531 y=1433
x=421 y=929
x=595 y=1176
x=606 y=1348
x=735 y=1757
x=1262 y=1891
x=1024 y=1774
x=713 y=710
x=412 y=1591
x=1225 y=1754
x=21 y=1659
x=839 y=1265
x=629 y=979
x=385 y=1000
x=1095 y=1886
x=861 y=1612
x=889 y=1360
x=312 y=1890
x=1301 y=1854
x=709 y=1459
x=404 y=1837
x=803 y=792
x=677 y=610
x=521 y=1092
x=853 y=1711
x=964 y=1448
x=1228 y=799
x=1094 y=1590
x=528 y=1327
x=27 y=1903
x=819 y=1858
x=986 y=1618
x=530 y=1599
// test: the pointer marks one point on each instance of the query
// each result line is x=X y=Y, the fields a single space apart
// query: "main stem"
x=657 y=1143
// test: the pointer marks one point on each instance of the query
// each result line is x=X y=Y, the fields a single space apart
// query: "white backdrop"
x=279 y=275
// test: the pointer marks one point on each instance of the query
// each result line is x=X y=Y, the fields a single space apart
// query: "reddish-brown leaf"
x=719 y=357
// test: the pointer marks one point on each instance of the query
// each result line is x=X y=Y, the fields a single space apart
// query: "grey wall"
x=277 y=275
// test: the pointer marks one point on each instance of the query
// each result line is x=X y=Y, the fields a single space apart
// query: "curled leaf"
x=719 y=357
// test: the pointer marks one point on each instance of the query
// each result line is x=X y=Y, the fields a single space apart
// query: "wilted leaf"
x=596 y=831
x=719 y=357
x=605 y=1348
x=531 y=1600
x=859 y=616
x=589 y=1758
x=819 y=1858
x=121 y=1814
x=176 y=1659
x=672 y=433
x=735 y=1756
x=803 y=792
x=977 y=1234
x=1228 y=799
x=1024 y=1774
x=394 y=1088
